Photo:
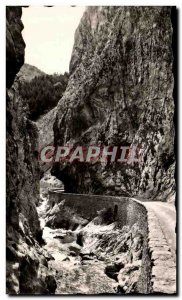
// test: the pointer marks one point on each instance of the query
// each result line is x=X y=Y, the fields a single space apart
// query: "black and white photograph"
x=91 y=150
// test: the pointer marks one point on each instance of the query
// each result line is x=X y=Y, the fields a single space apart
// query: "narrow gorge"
x=89 y=227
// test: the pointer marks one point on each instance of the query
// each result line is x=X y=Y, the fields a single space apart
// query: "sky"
x=49 y=36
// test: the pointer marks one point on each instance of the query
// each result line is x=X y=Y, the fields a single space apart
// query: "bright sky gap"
x=49 y=36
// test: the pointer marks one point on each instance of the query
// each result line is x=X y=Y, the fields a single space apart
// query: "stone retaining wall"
x=129 y=211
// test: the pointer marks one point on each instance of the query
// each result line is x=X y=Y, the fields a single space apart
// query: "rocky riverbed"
x=84 y=252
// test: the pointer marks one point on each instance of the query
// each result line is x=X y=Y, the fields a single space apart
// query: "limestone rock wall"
x=120 y=93
x=27 y=271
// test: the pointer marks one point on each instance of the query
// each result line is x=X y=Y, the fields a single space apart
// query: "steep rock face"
x=45 y=127
x=27 y=270
x=120 y=93
x=14 y=43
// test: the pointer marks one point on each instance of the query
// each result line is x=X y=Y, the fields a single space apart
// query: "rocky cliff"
x=120 y=93
x=27 y=270
x=28 y=72
x=14 y=43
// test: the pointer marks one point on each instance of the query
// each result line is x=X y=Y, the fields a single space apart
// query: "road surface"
x=166 y=214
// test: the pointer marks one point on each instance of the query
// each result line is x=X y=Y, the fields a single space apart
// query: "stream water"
x=76 y=271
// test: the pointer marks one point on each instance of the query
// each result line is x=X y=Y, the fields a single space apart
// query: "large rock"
x=27 y=271
x=120 y=93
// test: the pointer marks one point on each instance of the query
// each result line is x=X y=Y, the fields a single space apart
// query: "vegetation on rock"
x=42 y=93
